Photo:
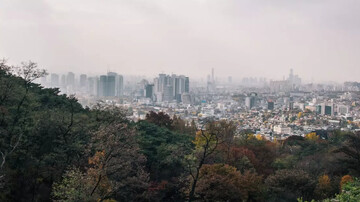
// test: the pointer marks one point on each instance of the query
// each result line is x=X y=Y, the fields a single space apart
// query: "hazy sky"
x=319 y=39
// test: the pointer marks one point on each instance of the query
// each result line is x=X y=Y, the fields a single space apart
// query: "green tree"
x=221 y=182
x=165 y=151
x=288 y=185
x=351 y=151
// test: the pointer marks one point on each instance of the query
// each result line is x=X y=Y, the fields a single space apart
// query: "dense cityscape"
x=173 y=101
x=273 y=109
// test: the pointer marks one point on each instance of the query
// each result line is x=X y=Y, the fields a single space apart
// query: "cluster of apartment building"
x=272 y=112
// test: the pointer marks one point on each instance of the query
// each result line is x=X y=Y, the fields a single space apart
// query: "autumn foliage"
x=53 y=149
x=345 y=179
x=223 y=182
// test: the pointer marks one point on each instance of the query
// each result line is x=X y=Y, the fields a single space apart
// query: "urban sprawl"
x=272 y=109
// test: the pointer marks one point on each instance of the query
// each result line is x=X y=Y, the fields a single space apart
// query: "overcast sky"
x=319 y=39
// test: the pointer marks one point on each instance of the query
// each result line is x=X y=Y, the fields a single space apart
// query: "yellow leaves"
x=255 y=137
x=198 y=139
x=202 y=138
x=312 y=136
x=299 y=115
x=251 y=137
x=260 y=137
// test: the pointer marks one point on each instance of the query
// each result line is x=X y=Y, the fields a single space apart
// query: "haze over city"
x=320 y=40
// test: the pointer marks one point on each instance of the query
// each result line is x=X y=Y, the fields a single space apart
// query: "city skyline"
x=319 y=40
x=175 y=100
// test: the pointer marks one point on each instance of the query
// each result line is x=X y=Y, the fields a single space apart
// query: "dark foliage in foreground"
x=53 y=149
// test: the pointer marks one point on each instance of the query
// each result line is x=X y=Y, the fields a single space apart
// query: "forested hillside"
x=53 y=149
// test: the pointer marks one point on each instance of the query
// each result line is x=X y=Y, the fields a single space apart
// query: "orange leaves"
x=97 y=175
x=344 y=180
x=221 y=182
x=323 y=187
x=324 y=180
x=97 y=159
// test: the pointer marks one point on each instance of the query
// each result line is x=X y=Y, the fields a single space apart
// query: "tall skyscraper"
x=43 y=80
x=168 y=93
x=187 y=85
x=211 y=81
x=111 y=86
x=63 y=81
x=83 y=80
x=55 y=80
x=70 y=83
x=294 y=80
x=177 y=84
x=120 y=86
x=212 y=76
x=149 y=91
x=92 y=84
x=115 y=84
x=102 y=86
x=70 y=79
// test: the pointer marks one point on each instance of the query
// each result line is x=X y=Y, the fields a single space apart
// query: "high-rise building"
x=120 y=86
x=43 y=80
x=177 y=84
x=168 y=93
x=83 y=80
x=92 y=84
x=70 y=79
x=250 y=100
x=186 y=98
x=187 y=85
x=55 y=80
x=294 y=80
x=212 y=75
x=63 y=81
x=291 y=103
x=327 y=109
x=318 y=109
x=111 y=86
x=211 y=81
x=102 y=86
x=270 y=105
x=149 y=91
x=70 y=83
